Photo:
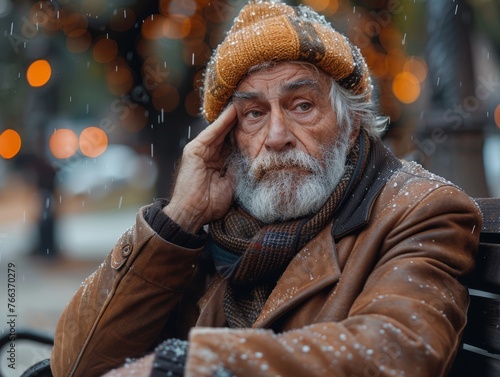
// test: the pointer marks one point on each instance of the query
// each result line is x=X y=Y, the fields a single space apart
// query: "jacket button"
x=126 y=250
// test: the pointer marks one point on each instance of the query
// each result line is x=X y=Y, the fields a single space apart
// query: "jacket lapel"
x=313 y=268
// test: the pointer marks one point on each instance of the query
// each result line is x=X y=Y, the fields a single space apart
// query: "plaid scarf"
x=252 y=255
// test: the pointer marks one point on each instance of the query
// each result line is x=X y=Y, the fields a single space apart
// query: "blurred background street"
x=98 y=98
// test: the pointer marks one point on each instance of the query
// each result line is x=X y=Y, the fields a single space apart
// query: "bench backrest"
x=480 y=352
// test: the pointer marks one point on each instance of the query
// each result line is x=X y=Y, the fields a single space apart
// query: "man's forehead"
x=285 y=88
x=281 y=79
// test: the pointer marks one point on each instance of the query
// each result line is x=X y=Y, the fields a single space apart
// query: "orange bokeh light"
x=166 y=97
x=406 y=87
x=319 y=5
x=63 y=143
x=79 y=43
x=75 y=25
x=105 y=50
x=376 y=61
x=135 y=118
x=122 y=19
x=10 y=143
x=39 y=73
x=395 y=61
x=417 y=67
x=176 y=27
x=119 y=79
x=93 y=142
x=497 y=115
x=152 y=27
x=198 y=28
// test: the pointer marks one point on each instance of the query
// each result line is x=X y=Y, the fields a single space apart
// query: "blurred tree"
x=450 y=137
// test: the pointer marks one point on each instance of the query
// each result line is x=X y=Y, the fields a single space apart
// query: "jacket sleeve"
x=120 y=310
x=407 y=317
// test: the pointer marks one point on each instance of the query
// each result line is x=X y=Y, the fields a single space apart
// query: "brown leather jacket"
x=375 y=294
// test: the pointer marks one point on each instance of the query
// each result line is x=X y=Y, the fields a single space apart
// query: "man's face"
x=291 y=150
x=285 y=107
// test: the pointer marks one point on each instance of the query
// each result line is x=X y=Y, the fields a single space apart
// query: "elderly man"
x=324 y=254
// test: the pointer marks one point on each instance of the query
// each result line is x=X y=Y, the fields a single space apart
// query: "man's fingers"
x=216 y=132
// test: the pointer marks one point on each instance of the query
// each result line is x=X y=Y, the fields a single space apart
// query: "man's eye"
x=254 y=114
x=304 y=106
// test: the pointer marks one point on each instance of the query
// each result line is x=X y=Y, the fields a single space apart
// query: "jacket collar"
x=354 y=210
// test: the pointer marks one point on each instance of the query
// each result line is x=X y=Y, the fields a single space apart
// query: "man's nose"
x=279 y=136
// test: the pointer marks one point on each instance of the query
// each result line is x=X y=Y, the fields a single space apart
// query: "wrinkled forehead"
x=283 y=77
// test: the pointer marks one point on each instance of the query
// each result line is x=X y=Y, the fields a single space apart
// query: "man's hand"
x=202 y=191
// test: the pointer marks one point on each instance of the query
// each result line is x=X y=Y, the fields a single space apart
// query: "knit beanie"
x=271 y=31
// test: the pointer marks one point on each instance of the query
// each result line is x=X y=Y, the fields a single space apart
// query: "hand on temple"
x=202 y=191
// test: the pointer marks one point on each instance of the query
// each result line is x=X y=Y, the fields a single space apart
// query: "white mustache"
x=284 y=160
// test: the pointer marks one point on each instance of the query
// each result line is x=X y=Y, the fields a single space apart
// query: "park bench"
x=479 y=355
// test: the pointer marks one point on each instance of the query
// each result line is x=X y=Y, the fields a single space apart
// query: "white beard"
x=270 y=192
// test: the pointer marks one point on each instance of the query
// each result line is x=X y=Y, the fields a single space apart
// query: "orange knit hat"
x=269 y=30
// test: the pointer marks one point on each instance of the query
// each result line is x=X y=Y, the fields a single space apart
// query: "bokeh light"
x=44 y=14
x=93 y=141
x=196 y=53
x=417 y=67
x=166 y=97
x=184 y=7
x=376 y=61
x=119 y=79
x=10 y=143
x=63 y=143
x=395 y=61
x=497 y=115
x=390 y=38
x=152 y=27
x=122 y=19
x=198 y=29
x=79 y=43
x=176 y=27
x=134 y=118
x=39 y=13
x=406 y=87
x=39 y=73
x=75 y=24
x=318 y=5
x=105 y=50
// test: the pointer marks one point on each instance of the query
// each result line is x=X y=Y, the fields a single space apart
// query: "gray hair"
x=354 y=110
